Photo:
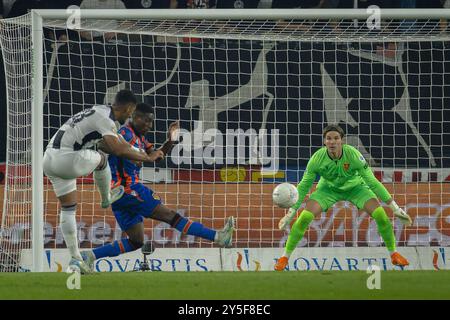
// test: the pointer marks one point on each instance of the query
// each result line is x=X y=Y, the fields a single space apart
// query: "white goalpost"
x=253 y=90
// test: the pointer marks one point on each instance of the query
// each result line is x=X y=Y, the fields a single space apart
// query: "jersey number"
x=81 y=115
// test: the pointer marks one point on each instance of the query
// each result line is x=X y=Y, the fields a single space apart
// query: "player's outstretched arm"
x=302 y=188
x=160 y=153
x=172 y=134
x=400 y=213
x=123 y=149
x=155 y=155
x=379 y=189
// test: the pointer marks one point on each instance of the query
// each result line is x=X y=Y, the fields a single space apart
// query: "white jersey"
x=85 y=129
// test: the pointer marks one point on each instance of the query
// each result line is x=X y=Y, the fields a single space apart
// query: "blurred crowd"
x=13 y=8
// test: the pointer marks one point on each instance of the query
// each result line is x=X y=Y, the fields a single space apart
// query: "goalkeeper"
x=344 y=175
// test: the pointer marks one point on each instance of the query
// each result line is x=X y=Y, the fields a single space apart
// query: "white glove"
x=286 y=220
x=400 y=213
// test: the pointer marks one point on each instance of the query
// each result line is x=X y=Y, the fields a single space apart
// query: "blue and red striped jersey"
x=126 y=172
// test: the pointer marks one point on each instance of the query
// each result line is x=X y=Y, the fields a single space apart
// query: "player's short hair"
x=144 y=108
x=124 y=97
x=333 y=127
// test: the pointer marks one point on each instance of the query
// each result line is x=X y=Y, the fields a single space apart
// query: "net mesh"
x=15 y=231
x=249 y=94
x=329 y=30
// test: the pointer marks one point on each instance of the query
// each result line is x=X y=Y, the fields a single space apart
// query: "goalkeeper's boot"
x=89 y=259
x=80 y=266
x=398 y=260
x=281 y=263
x=114 y=195
x=224 y=237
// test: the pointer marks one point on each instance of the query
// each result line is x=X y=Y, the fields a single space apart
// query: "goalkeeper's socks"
x=114 y=249
x=68 y=226
x=298 y=230
x=186 y=226
x=103 y=178
x=384 y=228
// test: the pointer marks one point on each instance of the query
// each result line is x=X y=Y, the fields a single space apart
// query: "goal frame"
x=37 y=23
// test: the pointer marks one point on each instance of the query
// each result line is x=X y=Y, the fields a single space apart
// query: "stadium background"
x=295 y=73
x=301 y=78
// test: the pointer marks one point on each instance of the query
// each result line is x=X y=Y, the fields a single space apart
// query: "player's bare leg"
x=68 y=225
x=102 y=177
x=298 y=230
x=136 y=234
x=384 y=226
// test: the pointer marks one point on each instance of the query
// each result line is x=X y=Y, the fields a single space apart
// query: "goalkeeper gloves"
x=400 y=213
x=286 y=220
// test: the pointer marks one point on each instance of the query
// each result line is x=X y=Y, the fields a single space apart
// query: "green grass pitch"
x=228 y=285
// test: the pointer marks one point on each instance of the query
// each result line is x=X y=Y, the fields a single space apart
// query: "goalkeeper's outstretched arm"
x=380 y=190
x=303 y=188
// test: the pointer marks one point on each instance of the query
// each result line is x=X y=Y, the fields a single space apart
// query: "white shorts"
x=63 y=167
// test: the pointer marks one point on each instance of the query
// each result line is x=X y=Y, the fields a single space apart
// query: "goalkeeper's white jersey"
x=85 y=129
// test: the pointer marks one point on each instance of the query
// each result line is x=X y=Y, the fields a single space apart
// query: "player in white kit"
x=70 y=154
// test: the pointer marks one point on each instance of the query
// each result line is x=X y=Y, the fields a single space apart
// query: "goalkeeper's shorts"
x=137 y=203
x=326 y=197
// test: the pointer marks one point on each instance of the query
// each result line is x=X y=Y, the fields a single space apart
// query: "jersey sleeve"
x=106 y=126
x=126 y=134
x=369 y=178
x=147 y=145
x=309 y=176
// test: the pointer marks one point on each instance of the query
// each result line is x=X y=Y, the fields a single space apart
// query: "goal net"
x=253 y=91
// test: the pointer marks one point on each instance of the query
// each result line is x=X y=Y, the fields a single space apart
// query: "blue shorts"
x=134 y=206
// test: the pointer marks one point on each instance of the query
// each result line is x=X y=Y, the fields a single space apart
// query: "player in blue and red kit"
x=139 y=202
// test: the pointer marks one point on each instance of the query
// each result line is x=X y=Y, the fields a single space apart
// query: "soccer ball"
x=285 y=195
